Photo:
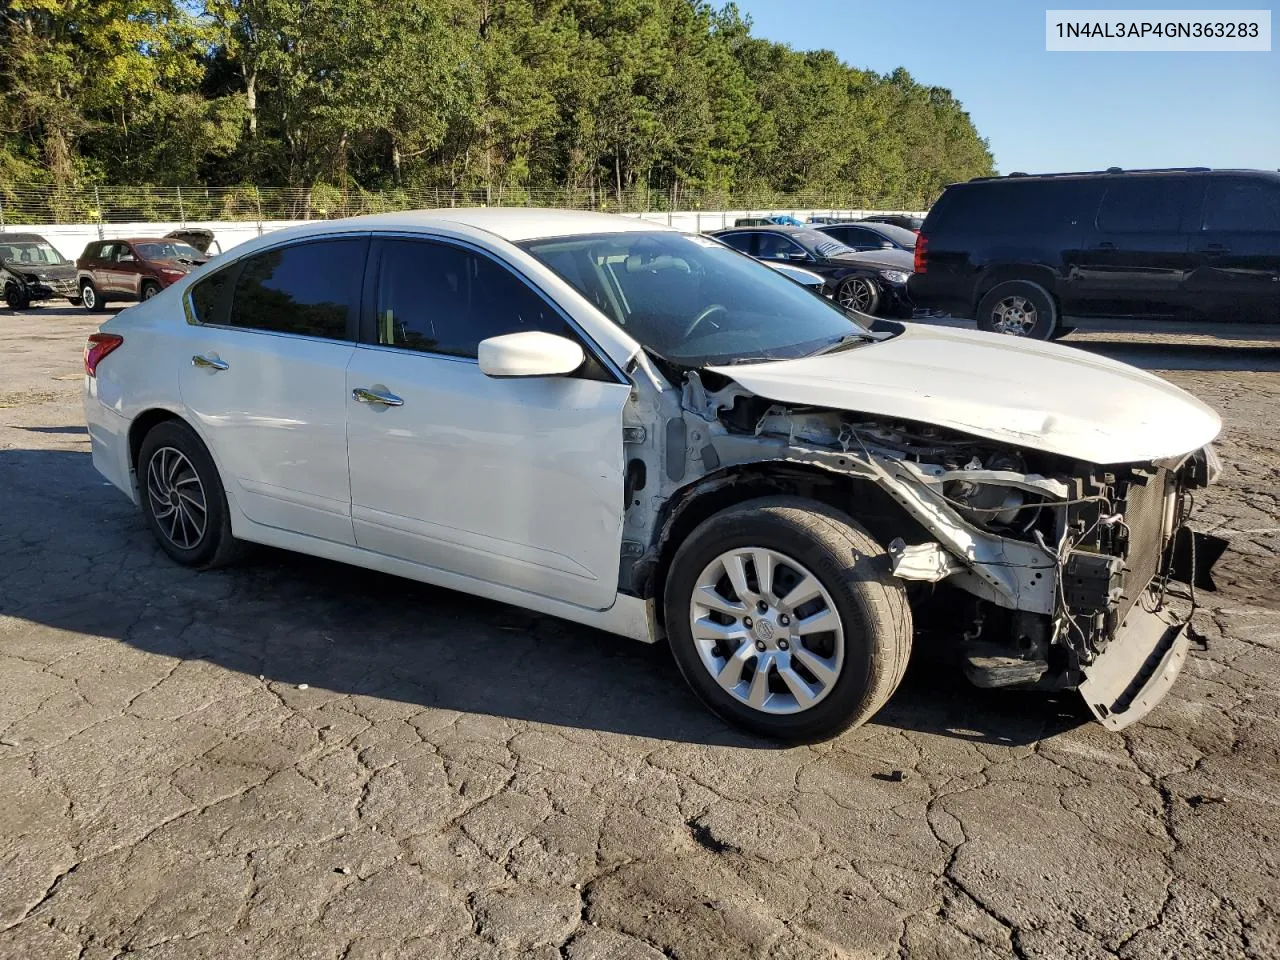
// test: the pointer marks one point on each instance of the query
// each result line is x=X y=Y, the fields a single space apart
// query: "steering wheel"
x=703 y=316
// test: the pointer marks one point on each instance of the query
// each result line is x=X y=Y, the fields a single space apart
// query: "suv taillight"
x=99 y=345
x=922 y=253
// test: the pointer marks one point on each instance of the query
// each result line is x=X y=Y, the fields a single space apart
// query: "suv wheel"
x=183 y=499
x=1018 y=308
x=149 y=290
x=783 y=617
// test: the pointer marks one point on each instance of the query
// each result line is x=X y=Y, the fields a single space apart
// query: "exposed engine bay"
x=1064 y=566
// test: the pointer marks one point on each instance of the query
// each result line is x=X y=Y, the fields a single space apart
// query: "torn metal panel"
x=922 y=561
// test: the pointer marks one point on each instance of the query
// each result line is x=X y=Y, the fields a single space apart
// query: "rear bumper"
x=108 y=441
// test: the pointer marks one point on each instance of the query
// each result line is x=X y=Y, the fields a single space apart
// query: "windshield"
x=692 y=300
x=819 y=243
x=167 y=250
x=37 y=253
x=899 y=235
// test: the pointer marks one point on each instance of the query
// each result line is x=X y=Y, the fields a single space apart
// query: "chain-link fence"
x=38 y=203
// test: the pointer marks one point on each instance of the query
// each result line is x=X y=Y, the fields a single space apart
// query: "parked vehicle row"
x=646 y=431
x=1035 y=256
x=869 y=282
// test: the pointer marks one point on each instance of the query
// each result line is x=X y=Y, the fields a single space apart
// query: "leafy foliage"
x=509 y=96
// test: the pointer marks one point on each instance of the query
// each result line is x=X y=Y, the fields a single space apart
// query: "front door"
x=518 y=481
x=266 y=382
x=1236 y=249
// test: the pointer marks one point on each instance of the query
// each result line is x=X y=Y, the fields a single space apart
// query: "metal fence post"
x=1 y=216
x=182 y=213
x=257 y=202
x=97 y=204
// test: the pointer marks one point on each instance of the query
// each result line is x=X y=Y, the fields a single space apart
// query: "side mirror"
x=886 y=244
x=127 y=258
x=529 y=354
x=799 y=257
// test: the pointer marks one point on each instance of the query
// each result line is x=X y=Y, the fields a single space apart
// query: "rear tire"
x=149 y=290
x=1018 y=308
x=852 y=659
x=183 y=499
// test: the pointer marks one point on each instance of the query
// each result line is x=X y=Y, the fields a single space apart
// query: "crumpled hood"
x=47 y=271
x=1034 y=395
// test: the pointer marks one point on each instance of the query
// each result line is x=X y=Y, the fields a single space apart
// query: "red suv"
x=135 y=269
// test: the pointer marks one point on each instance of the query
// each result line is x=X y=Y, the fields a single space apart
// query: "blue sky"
x=1046 y=111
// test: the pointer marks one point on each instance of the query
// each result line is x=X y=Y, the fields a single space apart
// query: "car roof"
x=510 y=223
x=135 y=239
x=22 y=238
x=770 y=228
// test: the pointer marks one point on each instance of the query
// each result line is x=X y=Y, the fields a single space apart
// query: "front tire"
x=783 y=617
x=15 y=298
x=858 y=293
x=1018 y=308
x=149 y=290
x=183 y=499
x=90 y=298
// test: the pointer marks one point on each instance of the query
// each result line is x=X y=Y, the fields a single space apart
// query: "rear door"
x=1235 y=246
x=266 y=381
x=1136 y=260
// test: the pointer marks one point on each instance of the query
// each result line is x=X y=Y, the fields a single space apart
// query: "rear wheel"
x=1018 y=308
x=785 y=620
x=183 y=499
x=858 y=293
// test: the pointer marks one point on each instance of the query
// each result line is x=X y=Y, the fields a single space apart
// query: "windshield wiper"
x=846 y=342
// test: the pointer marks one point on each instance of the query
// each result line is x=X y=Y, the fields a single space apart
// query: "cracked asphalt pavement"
x=296 y=759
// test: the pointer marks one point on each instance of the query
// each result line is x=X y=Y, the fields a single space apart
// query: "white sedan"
x=645 y=431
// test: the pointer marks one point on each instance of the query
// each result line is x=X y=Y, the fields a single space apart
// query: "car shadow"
x=70 y=428
x=1172 y=355
x=79 y=558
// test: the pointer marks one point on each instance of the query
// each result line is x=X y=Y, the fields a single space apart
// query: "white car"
x=645 y=431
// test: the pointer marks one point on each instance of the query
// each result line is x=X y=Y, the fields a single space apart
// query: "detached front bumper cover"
x=1137 y=669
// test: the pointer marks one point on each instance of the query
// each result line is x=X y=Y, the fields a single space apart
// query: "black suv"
x=1037 y=256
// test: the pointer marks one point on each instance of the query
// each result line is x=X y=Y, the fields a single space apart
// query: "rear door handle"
x=362 y=395
x=1106 y=245
x=1214 y=248
x=209 y=363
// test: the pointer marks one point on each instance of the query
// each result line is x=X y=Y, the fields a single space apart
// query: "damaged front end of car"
x=1066 y=565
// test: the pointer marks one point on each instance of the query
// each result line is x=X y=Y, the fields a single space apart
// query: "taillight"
x=99 y=345
x=922 y=253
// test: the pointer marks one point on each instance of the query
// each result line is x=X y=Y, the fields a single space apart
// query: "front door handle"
x=1215 y=249
x=209 y=363
x=361 y=395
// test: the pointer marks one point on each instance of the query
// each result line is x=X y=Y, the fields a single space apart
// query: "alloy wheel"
x=856 y=295
x=177 y=498
x=767 y=630
x=89 y=297
x=1015 y=315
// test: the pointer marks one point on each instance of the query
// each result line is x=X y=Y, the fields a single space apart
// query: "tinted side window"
x=439 y=298
x=739 y=241
x=1241 y=204
x=309 y=288
x=1013 y=207
x=1142 y=205
x=777 y=246
x=856 y=236
x=209 y=297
